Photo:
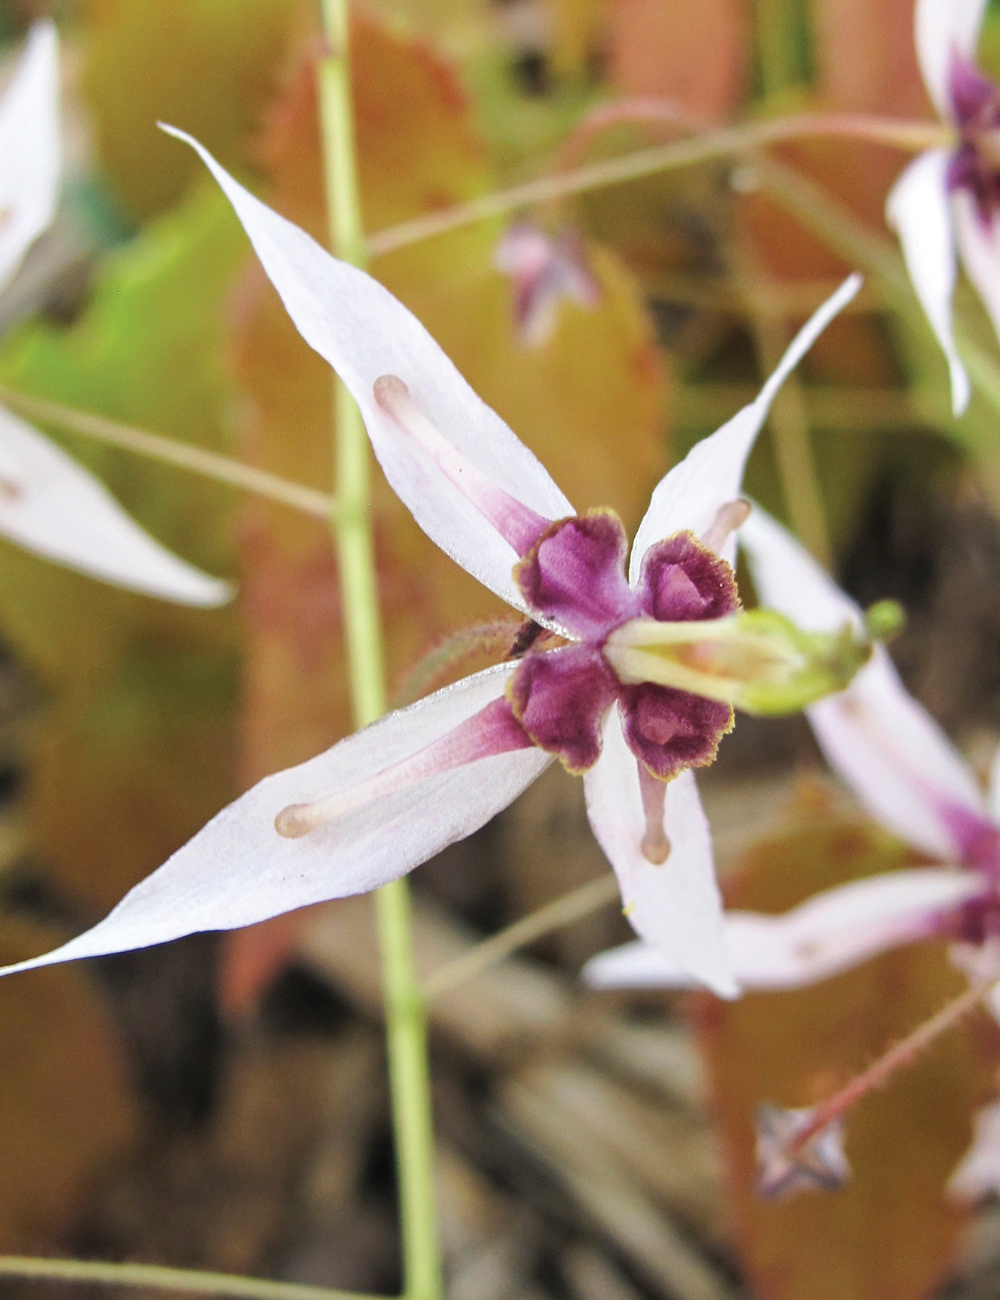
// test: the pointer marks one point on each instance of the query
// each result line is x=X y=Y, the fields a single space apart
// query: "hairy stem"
x=900 y=1056
x=406 y=1028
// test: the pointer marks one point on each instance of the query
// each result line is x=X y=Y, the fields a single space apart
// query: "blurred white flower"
x=48 y=503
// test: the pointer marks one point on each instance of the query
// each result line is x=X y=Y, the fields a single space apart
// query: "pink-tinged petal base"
x=673 y=904
x=517 y=525
x=944 y=28
x=711 y=475
x=919 y=207
x=829 y=933
x=888 y=749
x=237 y=870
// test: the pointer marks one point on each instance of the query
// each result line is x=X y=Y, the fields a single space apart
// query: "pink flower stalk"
x=48 y=503
x=949 y=197
x=386 y=799
x=911 y=779
x=544 y=269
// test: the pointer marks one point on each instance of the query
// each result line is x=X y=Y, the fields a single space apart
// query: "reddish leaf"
x=892 y=1232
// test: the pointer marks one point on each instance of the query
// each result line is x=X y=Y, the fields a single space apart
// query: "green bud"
x=884 y=619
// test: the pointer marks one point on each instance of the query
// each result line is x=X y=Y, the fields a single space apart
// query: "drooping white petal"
x=979 y=246
x=238 y=870
x=942 y=29
x=920 y=210
x=897 y=760
x=30 y=152
x=829 y=933
x=692 y=493
x=675 y=904
x=978 y=1174
x=364 y=333
x=51 y=505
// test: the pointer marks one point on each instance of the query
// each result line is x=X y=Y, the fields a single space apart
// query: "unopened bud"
x=791 y=1158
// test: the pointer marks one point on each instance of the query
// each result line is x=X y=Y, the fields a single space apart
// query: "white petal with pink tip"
x=238 y=870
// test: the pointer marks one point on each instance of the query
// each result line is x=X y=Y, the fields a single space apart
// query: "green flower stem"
x=563 y=911
x=171 y=452
x=406 y=1026
x=909 y=136
x=192 y=1281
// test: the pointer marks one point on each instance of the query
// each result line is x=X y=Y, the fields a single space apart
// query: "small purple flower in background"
x=48 y=503
x=952 y=196
x=386 y=799
x=909 y=777
x=544 y=269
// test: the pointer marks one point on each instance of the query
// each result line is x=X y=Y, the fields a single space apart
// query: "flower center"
x=574 y=576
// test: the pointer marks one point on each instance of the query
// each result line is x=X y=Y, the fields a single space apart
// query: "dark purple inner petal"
x=560 y=698
x=575 y=575
x=976 y=106
x=669 y=730
x=975 y=100
x=681 y=580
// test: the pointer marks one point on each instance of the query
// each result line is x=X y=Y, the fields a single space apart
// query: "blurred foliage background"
x=221 y=1103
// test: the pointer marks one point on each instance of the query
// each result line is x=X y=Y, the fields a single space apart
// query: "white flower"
x=48 y=503
x=952 y=196
x=386 y=799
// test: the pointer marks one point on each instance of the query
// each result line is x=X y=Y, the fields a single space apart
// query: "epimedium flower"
x=48 y=503
x=544 y=270
x=910 y=778
x=631 y=680
x=905 y=773
x=951 y=196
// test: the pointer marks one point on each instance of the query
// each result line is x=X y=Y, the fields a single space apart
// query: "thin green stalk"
x=561 y=912
x=406 y=1026
x=192 y=1281
x=171 y=452
x=908 y=136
